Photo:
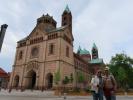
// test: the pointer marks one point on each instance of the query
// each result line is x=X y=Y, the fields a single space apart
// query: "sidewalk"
x=46 y=94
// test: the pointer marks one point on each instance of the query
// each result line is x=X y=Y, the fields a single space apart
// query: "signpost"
x=2 y=34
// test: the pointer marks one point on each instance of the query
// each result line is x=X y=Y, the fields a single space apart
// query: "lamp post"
x=2 y=34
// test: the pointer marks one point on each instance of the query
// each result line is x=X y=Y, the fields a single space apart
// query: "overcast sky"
x=108 y=23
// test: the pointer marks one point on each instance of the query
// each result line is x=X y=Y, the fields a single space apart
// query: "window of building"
x=20 y=55
x=64 y=23
x=51 y=48
x=67 y=51
x=34 y=52
x=64 y=18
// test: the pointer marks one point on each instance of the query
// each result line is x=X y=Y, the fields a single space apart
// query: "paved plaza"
x=46 y=95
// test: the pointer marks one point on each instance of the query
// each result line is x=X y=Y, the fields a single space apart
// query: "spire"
x=67 y=9
x=79 y=50
x=94 y=51
x=94 y=46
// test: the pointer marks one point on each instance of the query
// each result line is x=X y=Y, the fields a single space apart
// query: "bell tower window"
x=67 y=51
x=51 y=48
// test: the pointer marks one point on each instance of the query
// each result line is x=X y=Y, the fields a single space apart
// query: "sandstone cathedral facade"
x=48 y=50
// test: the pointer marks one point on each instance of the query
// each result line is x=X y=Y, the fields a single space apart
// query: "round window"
x=34 y=52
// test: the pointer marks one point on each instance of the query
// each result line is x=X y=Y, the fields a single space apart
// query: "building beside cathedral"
x=94 y=62
x=47 y=50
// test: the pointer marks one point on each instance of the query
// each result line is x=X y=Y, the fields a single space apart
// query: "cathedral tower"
x=94 y=51
x=67 y=18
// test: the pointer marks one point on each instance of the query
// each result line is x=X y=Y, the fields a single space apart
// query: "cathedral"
x=46 y=56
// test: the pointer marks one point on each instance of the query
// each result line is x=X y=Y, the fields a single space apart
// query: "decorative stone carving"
x=32 y=65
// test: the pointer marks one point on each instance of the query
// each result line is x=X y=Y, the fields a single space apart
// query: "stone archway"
x=31 y=79
x=49 y=81
x=16 y=81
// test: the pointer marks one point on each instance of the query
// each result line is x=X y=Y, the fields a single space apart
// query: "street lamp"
x=2 y=34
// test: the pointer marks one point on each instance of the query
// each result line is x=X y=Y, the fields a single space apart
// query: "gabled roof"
x=3 y=73
x=96 y=61
x=86 y=51
x=82 y=51
x=24 y=39
x=48 y=31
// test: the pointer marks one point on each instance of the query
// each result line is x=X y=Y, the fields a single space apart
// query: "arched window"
x=51 y=48
x=67 y=51
x=20 y=55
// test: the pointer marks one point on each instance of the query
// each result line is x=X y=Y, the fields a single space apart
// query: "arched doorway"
x=49 y=81
x=31 y=79
x=16 y=81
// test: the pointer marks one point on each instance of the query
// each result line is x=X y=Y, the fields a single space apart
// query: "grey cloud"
x=108 y=23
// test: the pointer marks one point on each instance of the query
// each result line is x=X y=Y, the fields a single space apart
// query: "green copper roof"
x=67 y=9
x=86 y=51
x=82 y=51
x=94 y=46
x=96 y=61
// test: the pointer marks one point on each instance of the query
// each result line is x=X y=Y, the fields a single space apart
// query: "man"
x=97 y=86
x=110 y=85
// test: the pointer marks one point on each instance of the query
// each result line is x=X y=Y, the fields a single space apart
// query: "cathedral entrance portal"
x=16 y=81
x=49 y=79
x=31 y=79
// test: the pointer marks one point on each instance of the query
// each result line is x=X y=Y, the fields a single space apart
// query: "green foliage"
x=57 y=77
x=71 y=77
x=80 y=77
x=121 y=74
x=121 y=66
x=66 y=80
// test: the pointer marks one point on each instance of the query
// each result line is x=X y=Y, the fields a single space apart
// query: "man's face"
x=99 y=73
x=106 y=72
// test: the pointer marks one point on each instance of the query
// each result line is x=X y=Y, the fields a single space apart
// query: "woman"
x=97 y=86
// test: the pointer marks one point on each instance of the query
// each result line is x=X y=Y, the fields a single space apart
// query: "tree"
x=122 y=77
x=57 y=76
x=121 y=66
x=80 y=77
x=66 y=80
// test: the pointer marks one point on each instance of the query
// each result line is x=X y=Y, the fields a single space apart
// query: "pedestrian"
x=110 y=85
x=97 y=86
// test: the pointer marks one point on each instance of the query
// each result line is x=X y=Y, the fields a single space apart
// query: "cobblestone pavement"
x=46 y=95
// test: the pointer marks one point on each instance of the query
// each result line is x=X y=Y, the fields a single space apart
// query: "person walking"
x=97 y=86
x=110 y=85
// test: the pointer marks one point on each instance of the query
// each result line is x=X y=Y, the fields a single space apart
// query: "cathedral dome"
x=47 y=19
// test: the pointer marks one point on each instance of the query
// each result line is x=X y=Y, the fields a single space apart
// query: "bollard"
x=10 y=90
x=125 y=93
x=65 y=95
